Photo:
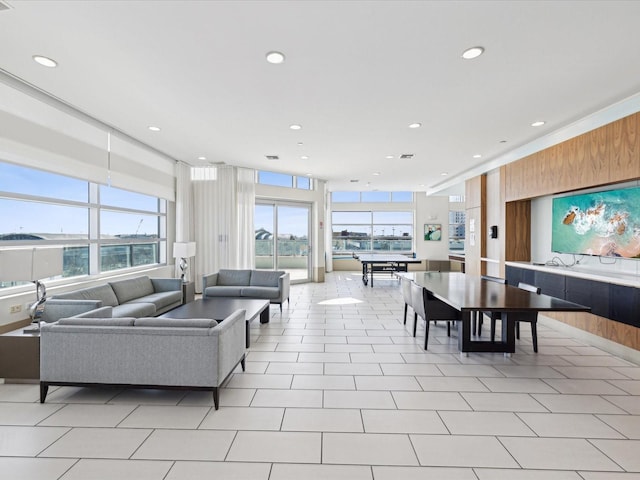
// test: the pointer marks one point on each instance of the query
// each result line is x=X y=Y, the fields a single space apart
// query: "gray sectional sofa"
x=194 y=354
x=134 y=297
x=272 y=285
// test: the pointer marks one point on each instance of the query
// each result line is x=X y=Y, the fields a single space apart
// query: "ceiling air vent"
x=272 y=157
x=354 y=181
x=407 y=156
x=4 y=6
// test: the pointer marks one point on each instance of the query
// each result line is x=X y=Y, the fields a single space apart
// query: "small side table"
x=188 y=292
x=20 y=355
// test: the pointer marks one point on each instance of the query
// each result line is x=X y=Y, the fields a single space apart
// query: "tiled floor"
x=336 y=388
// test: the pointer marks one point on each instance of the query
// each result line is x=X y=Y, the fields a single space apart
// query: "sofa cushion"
x=223 y=291
x=261 y=292
x=160 y=299
x=134 y=310
x=103 y=293
x=176 y=322
x=234 y=277
x=132 y=288
x=265 y=278
x=98 y=322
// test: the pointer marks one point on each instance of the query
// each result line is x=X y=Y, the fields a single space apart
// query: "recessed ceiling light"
x=444 y=174
x=275 y=57
x=309 y=174
x=153 y=129
x=300 y=144
x=477 y=155
x=376 y=173
x=503 y=141
x=45 y=61
x=473 y=52
x=295 y=126
x=422 y=185
x=304 y=157
x=202 y=158
x=539 y=123
x=415 y=125
x=389 y=157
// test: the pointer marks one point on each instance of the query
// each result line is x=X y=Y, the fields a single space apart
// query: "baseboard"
x=9 y=327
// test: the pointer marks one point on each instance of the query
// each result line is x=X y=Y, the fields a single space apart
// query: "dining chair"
x=430 y=309
x=530 y=317
x=492 y=315
x=405 y=286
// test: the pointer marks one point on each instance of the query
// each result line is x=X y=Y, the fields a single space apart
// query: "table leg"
x=464 y=332
x=364 y=274
x=508 y=333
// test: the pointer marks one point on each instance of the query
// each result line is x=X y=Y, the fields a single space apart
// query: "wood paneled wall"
x=606 y=155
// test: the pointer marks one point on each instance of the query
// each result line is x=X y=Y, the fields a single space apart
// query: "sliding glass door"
x=282 y=232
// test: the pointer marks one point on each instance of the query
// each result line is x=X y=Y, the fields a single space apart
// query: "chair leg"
x=473 y=323
x=534 y=335
x=493 y=329
x=406 y=307
x=480 y=320
x=518 y=330
x=426 y=334
x=448 y=328
x=415 y=323
x=216 y=398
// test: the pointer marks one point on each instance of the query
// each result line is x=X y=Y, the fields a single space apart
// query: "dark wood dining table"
x=469 y=294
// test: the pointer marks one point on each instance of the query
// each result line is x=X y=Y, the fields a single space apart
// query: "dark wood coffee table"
x=220 y=308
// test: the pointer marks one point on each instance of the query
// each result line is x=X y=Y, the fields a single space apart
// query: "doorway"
x=282 y=232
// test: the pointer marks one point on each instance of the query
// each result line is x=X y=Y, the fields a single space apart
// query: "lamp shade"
x=184 y=249
x=47 y=262
x=30 y=264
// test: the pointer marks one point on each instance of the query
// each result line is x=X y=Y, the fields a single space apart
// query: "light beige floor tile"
x=286 y=471
x=408 y=349
x=279 y=339
x=82 y=395
x=422 y=473
x=529 y=371
x=608 y=476
x=324 y=357
x=249 y=380
x=451 y=370
x=160 y=416
x=539 y=359
x=576 y=403
x=348 y=348
x=623 y=452
x=352 y=369
x=252 y=367
x=149 y=397
x=558 y=453
x=219 y=470
x=243 y=418
x=376 y=358
x=288 y=398
x=358 y=399
x=323 y=382
x=15 y=468
x=98 y=443
x=630 y=372
x=89 y=415
x=577 y=425
x=209 y=445
x=440 y=358
x=262 y=347
x=26 y=413
x=90 y=469
x=584 y=360
x=322 y=420
x=367 y=449
x=27 y=441
x=229 y=397
x=451 y=384
x=461 y=451
x=375 y=340
x=314 y=339
x=402 y=421
x=503 y=402
x=485 y=423
x=294 y=347
x=584 y=386
x=15 y=392
x=424 y=369
x=627 y=403
x=295 y=368
x=430 y=401
x=387 y=382
x=596 y=373
x=510 y=474
x=286 y=447
x=629 y=386
x=517 y=385
x=272 y=356
x=627 y=425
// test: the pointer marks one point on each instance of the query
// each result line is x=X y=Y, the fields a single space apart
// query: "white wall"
x=432 y=209
x=541 y=241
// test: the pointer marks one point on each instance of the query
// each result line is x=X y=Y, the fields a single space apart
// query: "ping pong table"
x=383 y=263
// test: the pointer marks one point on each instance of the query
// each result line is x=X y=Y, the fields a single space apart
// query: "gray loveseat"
x=272 y=285
x=134 y=297
x=192 y=354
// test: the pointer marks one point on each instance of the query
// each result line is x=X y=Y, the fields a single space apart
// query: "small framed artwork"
x=432 y=231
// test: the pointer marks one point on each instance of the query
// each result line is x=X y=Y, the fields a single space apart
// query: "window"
x=456 y=230
x=371 y=197
x=284 y=180
x=40 y=208
x=372 y=231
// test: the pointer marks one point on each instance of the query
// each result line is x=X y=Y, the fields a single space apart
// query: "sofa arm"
x=231 y=342
x=166 y=284
x=283 y=286
x=209 y=281
x=102 y=312
x=57 y=308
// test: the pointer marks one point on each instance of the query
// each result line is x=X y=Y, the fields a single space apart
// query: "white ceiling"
x=357 y=73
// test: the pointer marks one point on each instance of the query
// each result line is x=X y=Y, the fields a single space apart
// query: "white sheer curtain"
x=223 y=214
x=184 y=213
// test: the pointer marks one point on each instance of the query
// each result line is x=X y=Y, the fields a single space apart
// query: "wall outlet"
x=15 y=308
